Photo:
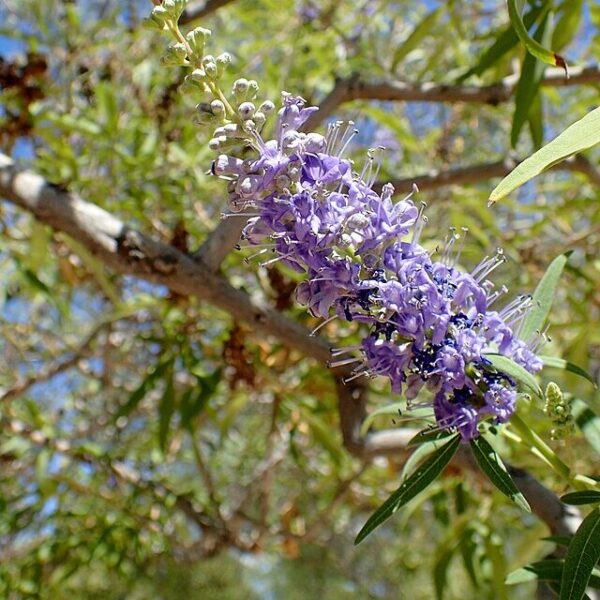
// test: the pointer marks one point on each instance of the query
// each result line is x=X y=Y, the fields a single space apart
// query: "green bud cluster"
x=168 y=10
x=197 y=39
x=175 y=56
x=557 y=407
x=250 y=117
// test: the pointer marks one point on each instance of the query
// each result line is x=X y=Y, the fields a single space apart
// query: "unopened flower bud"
x=211 y=70
x=198 y=75
x=315 y=142
x=557 y=407
x=259 y=118
x=247 y=186
x=174 y=8
x=356 y=221
x=344 y=240
x=252 y=89
x=240 y=89
x=159 y=14
x=197 y=40
x=222 y=61
x=290 y=140
x=267 y=107
x=175 y=56
x=216 y=142
x=217 y=107
x=246 y=110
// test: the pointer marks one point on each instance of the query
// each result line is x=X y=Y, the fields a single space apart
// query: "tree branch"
x=356 y=88
x=130 y=252
x=438 y=178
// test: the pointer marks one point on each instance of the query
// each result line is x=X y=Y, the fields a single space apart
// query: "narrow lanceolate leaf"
x=394 y=409
x=582 y=497
x=417 y=35
x=533 y=46
x=503 y=43
x=582 y=556
x=166 y=408
x=550 y=569
x=588 y=422
x=542 y=298
x=507 y=365
x=560 y=363
x=414 y=484
x=527 y=98
x=581 y=135
x=428 y=435
x=491 y=464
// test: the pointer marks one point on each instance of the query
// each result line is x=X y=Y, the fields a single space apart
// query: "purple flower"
x=429 y=324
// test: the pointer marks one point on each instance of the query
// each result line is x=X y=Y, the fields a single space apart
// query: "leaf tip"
x=559 y=61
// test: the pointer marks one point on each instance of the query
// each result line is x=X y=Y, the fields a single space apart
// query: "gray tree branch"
x=438 y=178
x=358 y=88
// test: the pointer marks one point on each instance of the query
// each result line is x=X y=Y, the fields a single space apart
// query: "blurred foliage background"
x=152 y=447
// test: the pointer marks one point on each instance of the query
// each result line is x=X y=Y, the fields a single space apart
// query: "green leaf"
x=548 y=570
x=560 y=363
x=507 y=365
x=582 y=556
x=428 y=435
x=414 y=484
x=535 y=119
x=579 y=136
x=440 y=571
x=543 y=297
x=166 y=409
x=147 y=384
x=390 y=409
x=533 y=46
x=417 y=35
x=322 y=433
x=581 y=497
x=503 y=43
x=491 y=464
x=561 y=540
x=527 y=90
x=571 y=13
x=588 y=422
x=194 y=400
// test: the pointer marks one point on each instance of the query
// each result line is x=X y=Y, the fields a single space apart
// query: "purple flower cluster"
x=429 y=323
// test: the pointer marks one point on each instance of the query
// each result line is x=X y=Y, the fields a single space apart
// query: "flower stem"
x=541 y=449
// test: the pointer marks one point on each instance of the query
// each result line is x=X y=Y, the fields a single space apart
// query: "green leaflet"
x=588 y=422
x=390 y=409
x=417 y=482
x=421 y=30
x=528 y=106
x=533 y=46
x=428 y=435
x=579 y=136
x=491 y=464
x=560 y=363
x=581 y=497
x=550 y=569
x=502 y=44
x=147 y=384
x=166 y=408
x=543 y=297
x=582 y=556
x=520 y=374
